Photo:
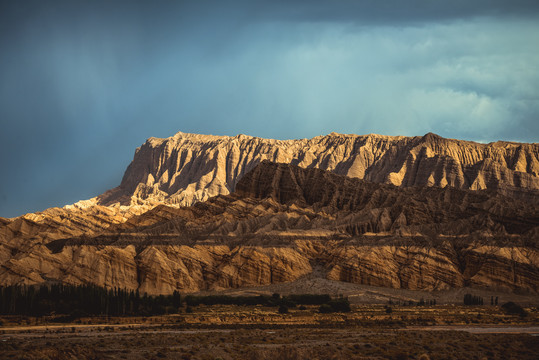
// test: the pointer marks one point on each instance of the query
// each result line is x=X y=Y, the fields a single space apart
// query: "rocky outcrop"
x=187 y=168
x=427 y=268
x=379 y=208
x=282 y=222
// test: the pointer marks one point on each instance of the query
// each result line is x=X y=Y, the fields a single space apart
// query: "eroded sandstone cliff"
x=187 y=168
x=282 y=222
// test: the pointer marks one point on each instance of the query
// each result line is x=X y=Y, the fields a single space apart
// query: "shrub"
x=309 y=299
x=336 y=305
x=283 y=309
x=288 y=303
x=514 y=309
x=340 y=305
x=325 y=309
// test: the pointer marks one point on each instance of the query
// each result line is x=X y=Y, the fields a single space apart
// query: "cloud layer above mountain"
x=85 y=82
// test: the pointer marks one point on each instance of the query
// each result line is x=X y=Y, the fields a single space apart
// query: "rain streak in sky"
x=83 y=83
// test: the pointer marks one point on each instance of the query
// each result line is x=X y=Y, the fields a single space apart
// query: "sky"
x=83 y=83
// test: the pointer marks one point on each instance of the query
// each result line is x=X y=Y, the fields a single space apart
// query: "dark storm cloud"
x=390 y=12
x=85 y=82
x=161 y=13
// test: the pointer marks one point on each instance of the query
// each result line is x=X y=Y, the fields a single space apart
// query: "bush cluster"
x=336 y=305
x=514 y=309
x=275 y=300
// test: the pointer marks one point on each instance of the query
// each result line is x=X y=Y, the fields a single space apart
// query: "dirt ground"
x=283 y=343
x=255 y=332
x=315 y=283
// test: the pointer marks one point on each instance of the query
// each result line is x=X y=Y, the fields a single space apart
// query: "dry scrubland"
x=256 y=332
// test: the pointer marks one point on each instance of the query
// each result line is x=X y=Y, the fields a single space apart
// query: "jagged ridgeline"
x=187 y=168
x=413 y=213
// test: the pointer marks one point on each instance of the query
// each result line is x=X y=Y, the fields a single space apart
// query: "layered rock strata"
x=282 y=222
x=187 y=168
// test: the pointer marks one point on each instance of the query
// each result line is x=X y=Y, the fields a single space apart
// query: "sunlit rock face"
x=386 y=211
x=187 y=168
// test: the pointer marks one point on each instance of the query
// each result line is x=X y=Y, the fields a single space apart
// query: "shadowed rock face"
x=284 y=222
x=187 y=168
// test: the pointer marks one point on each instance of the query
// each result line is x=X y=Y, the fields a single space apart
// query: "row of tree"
x=421 y=302
x=91 y=300
x=265 y=300
x=83 y=300
x=470 y=299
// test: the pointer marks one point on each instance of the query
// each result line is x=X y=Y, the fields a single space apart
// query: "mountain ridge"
x=197 y=212
x=187 y=168
x=283 y=222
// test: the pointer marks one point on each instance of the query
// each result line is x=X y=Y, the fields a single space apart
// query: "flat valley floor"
x=255 y=332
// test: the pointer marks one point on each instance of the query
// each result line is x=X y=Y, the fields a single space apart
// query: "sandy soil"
x=231 y=332
x=284 y=343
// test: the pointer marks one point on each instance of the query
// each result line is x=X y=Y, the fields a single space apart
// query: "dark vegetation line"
x=81 y=300
x=91 y=300
x=470 y=299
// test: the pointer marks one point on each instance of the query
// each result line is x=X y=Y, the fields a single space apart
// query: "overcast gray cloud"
x=85 y=82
